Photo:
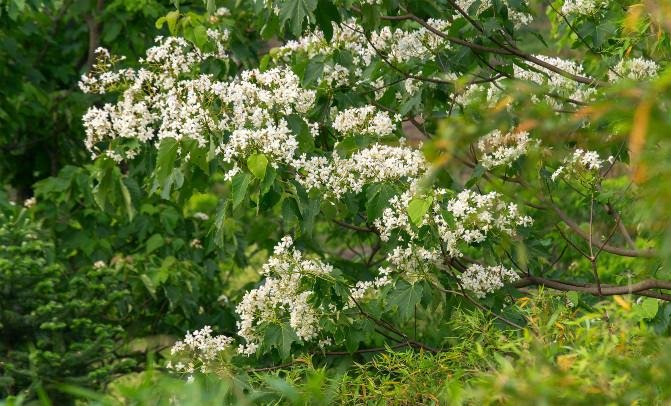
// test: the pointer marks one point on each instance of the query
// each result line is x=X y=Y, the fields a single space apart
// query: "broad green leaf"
x=149 y=285
x=326 y=13
x=306 y=142
x=165 y=160
x=128 y=202
x=377 y=199
x=295 y=11
x=239 y=188
x=154 y=242
x=280 y=337
x=404 y=298
x=417 y=209
x=257 y=164
x=172 y=18
x=647 y=309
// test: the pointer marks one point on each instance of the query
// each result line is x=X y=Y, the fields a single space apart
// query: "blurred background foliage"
x=93 y=290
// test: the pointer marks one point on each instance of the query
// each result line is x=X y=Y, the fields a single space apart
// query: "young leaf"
x=239 y=188
x=295 y=11
x=405 y=297
x=280 y=337
x=417 y=208
x=257 y=165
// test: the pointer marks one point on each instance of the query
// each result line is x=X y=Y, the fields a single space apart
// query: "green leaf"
x=305 y=141
x=309 y=211
x=149 y=285
x=165 y=159
x=219 y=224
x=154 y=242
x=647 y=309
x=268 y=180
x=211 y=6
x=404 y=298
x=295 y=11
x=239 y=188
x=326 y=13
x=378 y=197
x=172 y=18
x=128 y=202
x=313 y=70
x=573 y=297
x=200 y=36
x=417 y=208
x=291 y=214
x=257 y=164
x=280 y=337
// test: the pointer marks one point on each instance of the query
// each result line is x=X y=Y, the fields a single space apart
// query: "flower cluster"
x=398 y=45
x=412 y=263
x=635 y=68
x=482 y=280
x=469 y=218
x=284 y=296
x=518 y=18
x=404 y=45
x=200 y=349
x=365 y=120
x=377 y=163
x=503 y=149
x=558 y=84
x=168 y=99
x=582 y=164
x=475 y=217
x=582 y=7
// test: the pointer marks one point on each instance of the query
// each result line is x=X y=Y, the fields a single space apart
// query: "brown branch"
x=606 y=247
x=94 y=28
x=641 y=288
x=355 y=227
x=623 y=229
x=512 y=50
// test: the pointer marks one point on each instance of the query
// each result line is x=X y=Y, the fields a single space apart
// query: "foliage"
x=313 y=141
x=311 y=183
x=78 y=305
x=569 y=355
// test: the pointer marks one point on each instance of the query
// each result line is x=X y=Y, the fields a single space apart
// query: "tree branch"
x=606 y=247
x=641 y=288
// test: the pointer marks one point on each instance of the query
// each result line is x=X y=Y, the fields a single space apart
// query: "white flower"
x=582 y=164
x=582 y=7
x=30 y=202
x=517 y=17
x=365 y=120
x=502 y=149
x=482 y=280
x=200 y=348
x=377 y=163
x=99 y=264
x=281 y=297
x=558 y=84
x=635 y=68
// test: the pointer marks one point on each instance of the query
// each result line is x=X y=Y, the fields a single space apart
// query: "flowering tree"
x=397 y=160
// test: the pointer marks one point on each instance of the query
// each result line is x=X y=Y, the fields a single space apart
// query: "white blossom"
x=201 y=349
x=365 y=120
x=482 y=280
x=582 y=7
x=634 y=68
x=581 y=164
x=503 y=149
x=281 y=298
x=557 y=83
